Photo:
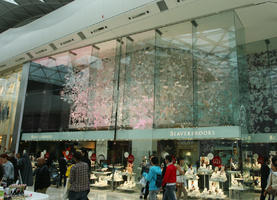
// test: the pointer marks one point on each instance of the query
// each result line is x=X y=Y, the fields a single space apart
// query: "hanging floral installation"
x=88 y=88
x=139 y=89
x=262 y=68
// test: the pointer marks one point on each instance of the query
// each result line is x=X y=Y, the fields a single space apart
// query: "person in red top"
x=169 y=180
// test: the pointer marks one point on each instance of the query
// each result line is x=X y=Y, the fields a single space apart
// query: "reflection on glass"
x=214 y=50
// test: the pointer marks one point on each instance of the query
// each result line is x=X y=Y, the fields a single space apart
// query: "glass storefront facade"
x=188 y=89
x=9 y=90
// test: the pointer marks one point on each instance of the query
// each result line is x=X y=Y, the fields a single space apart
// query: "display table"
x=235 y=193
x=35 y=196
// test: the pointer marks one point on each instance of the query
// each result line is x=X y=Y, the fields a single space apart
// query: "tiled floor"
x=57 y=194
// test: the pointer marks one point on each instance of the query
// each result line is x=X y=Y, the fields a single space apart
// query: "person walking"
x=152 y=176
x=62 y=169
x=13 y=160
x=42 y=181
x=86 y=159
x=271 y=187
x=180 y=179
x=169 y=180
x=26 y=169
x=265 y=171
x=79 y=179
x=8 y=169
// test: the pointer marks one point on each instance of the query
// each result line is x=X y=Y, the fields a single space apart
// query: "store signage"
x=217 y=161
x=93 y=157
x=221 y=132
x=192 y=133
x=131 y=158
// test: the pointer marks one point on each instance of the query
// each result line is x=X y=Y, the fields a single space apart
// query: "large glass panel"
x=173 y=77
x=261 y=60
x=9 y=90
x=241 y=117
x=139 y=63
x=216 y=64
x=44 y=109
x=272 y=54
x=72 y=90
x=93 y=86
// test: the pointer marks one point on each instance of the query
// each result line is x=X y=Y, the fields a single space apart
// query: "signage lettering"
x=192 y=133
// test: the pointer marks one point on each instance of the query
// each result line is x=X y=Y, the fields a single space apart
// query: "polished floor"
x=57 y=194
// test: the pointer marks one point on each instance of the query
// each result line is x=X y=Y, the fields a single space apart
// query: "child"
x=271 y=187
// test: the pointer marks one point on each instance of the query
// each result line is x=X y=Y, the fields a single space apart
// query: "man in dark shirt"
x=265 y=171
x=62 y=168
x=85 y=159
x=79 y=179
x=42 y=181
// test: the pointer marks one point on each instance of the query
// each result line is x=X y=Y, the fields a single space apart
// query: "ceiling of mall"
x=14 y=13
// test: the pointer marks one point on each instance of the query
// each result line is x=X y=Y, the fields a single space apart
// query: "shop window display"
x=9 y=90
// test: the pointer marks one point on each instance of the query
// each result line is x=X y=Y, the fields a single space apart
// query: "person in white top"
x=180 y=178
x=271 y=187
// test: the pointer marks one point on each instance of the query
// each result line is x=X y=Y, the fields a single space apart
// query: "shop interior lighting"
x=188 y=154
x=11 y=1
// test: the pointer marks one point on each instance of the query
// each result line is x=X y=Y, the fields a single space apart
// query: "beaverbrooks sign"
x=192 y=133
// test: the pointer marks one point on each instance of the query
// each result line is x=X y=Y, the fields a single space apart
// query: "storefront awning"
x=260 y=138
x=219 y=132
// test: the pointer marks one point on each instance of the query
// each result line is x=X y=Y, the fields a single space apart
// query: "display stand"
x=236 y=186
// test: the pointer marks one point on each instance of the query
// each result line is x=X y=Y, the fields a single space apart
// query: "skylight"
x=11 y=1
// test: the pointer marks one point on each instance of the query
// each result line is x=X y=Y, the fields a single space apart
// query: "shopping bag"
x=66 y=190
x=143 y=182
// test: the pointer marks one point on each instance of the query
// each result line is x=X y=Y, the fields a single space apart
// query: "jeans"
x=146 y=190
x=62 y=176
x=169 y=193
x=77 y=195
x=153 y=194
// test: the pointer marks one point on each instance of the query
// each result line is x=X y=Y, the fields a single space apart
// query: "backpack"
x=159 y=181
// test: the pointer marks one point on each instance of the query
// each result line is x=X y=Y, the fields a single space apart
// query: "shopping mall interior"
x=127 y=80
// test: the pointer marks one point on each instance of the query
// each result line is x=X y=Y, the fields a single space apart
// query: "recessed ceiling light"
x=11 y=1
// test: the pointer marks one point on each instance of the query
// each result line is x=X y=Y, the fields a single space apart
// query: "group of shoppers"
x=172 y=178
x=14 y=168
